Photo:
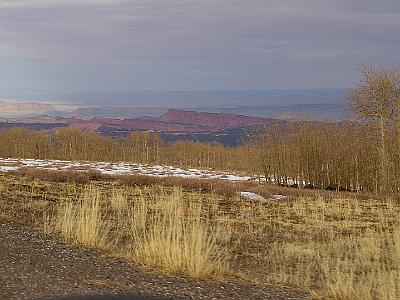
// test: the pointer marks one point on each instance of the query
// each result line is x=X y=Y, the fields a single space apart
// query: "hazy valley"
x=223 y=122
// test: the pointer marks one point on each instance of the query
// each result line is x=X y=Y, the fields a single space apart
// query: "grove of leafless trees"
x=362 y=154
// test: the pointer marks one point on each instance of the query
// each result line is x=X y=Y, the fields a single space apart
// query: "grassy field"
x=335 y=246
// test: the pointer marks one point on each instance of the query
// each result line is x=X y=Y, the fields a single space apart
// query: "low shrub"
x=60 y=176
x=217 y=186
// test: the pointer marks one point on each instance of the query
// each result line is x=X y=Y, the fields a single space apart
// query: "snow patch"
x=251 y=196
x=120 y=168
x=279 y=197
x=8 y=168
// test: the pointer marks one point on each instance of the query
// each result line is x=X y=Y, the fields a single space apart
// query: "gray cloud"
x=193 y=44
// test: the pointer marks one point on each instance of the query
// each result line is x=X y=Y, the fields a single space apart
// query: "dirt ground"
x=36 y=266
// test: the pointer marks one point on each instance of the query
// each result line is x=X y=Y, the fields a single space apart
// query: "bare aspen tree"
x=373 y=102
x=396 y=100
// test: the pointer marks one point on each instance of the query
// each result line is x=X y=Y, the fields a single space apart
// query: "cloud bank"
x=191 y=44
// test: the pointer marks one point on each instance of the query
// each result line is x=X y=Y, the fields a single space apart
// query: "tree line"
x=138 y=147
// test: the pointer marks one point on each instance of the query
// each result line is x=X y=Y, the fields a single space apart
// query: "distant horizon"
x=169 y=90
x=190 y=98
x=258 y=103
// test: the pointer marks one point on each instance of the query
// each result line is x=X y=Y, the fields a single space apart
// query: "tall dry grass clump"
x=118 y=200
x=156 y=229
x=176 y=238
x=83 y=222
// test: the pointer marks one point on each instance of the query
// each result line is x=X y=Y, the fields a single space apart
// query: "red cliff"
x=215 y=120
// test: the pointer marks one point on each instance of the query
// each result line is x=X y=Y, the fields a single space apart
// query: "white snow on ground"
x=7 y=168
x=256 y=197
x=9 y=164
x=279 y=197
x=251 y=196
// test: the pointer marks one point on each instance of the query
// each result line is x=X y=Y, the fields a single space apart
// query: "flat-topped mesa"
x=147 y=123
x=14 y=105
x=10 y=108
x=218 y=120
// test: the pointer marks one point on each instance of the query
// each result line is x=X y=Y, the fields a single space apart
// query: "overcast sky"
x=109 y=45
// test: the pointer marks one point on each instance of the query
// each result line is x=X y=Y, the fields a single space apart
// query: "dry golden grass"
x=175 y=237
x=335 y=248
x=82 y=223
x=119 y=201
x=160 y=232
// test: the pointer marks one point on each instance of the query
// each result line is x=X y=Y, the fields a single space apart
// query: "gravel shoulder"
x=36 y=266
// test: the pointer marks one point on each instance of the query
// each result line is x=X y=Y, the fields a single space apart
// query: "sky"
x=55 y=46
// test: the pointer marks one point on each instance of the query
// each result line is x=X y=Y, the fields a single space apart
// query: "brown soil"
x=36 y=266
